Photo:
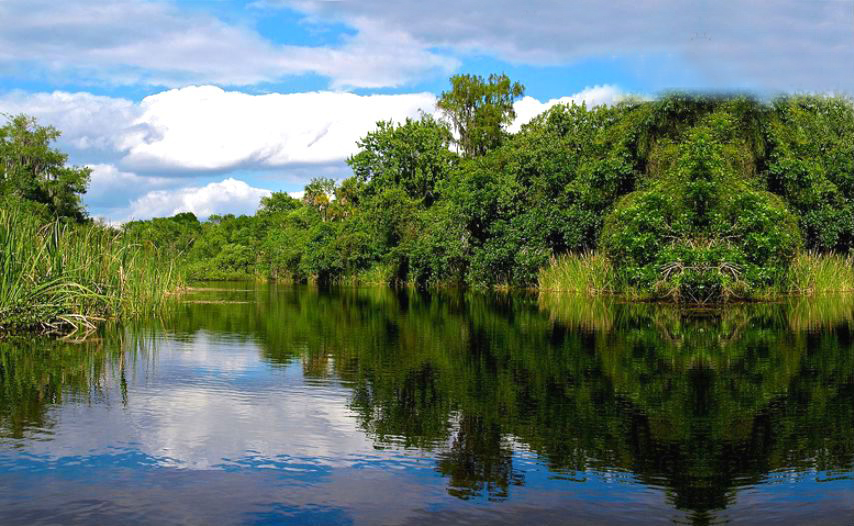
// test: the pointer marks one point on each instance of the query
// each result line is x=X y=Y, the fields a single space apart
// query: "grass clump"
x=63 y=276
x=815 y=273
x=586 y=272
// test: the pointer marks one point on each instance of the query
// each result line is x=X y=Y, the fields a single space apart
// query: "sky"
x=208 y=105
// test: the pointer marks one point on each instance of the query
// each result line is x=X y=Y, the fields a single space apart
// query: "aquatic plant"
x=586 y=272
x=60 y=275
x=811 y=272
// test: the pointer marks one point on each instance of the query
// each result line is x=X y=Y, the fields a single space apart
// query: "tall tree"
x=479 y=109
x=276 y=203
x=31 y=169
x=318 y=194
x=413 y=155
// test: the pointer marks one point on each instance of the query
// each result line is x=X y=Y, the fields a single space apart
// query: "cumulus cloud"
x=109 y=185
x=229 y=196
x=88 y=122
x=159 y=43
x=207 y=128
x=528 y=107
x=786 y=44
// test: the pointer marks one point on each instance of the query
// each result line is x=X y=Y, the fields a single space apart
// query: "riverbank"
x=695 y=199
x=60 y=276
x=594 y=274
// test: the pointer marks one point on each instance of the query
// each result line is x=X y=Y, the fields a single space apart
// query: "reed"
x=587 y=272
x=60 y=276
x=815 y=273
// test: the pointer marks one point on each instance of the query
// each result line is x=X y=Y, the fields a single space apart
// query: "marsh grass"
x=60 y=276
x=377 y=274
x=814 y=273
x=592 y=274
x=587 y=272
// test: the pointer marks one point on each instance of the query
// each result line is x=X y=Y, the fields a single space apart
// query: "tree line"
x=689 y=196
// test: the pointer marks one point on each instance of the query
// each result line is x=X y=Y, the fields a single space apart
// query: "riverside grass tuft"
x=815 y=273
x=587 y=273
x=591 y=273
x=64 y=277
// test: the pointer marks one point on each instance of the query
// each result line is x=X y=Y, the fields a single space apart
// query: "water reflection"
x=496 y=402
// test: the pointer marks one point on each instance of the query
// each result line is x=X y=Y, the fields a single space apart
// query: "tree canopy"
x=691 y=197
x=31 y=169
x=479 y=110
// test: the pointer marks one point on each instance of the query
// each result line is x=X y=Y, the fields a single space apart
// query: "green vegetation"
x=694 y=199
x=66 y=276
x=33 y=172
x=811 y=272
x=59 y=271
x=689 y=198
x=587 y=272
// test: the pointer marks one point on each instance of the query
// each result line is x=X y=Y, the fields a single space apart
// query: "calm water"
x=368 y=406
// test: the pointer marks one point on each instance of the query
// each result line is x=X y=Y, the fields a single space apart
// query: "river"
x=264 y=404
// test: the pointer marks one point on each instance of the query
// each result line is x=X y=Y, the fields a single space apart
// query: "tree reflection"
x=479 y=461
x=700 y=405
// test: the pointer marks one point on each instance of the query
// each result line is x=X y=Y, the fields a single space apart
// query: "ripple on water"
x=373 y=406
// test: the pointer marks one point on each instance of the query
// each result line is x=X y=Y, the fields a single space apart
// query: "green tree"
x=811 y=164
x=413 y=155
x=31 y=169
x=276 y=203
x=318 y=195
x=479 y=109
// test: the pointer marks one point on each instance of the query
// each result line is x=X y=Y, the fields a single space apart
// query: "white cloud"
x=229 y=196
x=528 y=107
x=158 y=43
x=108 y=183
x=207 y=128
x=87 y=122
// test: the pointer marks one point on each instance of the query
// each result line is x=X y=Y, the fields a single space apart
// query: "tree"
x=413 y=155
x=480 y=109
x=31 y=169
x=318 y=194
x=277 y=202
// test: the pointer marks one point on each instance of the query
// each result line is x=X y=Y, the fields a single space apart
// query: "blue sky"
x=208 y=105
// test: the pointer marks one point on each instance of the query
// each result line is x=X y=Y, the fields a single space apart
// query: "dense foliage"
x=690 y=197
x=34 y=173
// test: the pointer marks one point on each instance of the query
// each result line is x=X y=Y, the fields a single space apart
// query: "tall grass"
x=62 y=276
x=811 y=273
x=593 y=274
x=588 y=273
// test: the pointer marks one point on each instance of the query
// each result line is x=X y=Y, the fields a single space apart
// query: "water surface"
x=263 y=404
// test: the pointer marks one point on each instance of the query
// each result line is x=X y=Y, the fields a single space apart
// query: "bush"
x=702 y=231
